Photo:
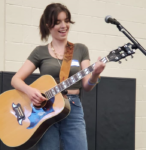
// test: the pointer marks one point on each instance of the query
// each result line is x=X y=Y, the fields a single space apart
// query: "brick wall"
x=2 y=33
x=19 y=35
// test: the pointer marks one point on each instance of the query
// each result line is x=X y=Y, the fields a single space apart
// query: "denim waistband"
x=72 y=95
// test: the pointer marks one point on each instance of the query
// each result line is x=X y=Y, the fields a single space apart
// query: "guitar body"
x=21 y=124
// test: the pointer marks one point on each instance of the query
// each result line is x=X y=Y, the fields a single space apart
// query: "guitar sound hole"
x=42 y=104
x=48 y=105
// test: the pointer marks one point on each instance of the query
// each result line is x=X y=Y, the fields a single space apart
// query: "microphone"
x=109 y=19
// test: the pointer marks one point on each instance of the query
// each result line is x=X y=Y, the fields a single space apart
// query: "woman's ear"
x=47 y=26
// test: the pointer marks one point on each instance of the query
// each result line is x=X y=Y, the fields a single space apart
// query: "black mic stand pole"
x=127 y=34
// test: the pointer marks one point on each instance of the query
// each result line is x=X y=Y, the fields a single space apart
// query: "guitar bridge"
x=18 y=112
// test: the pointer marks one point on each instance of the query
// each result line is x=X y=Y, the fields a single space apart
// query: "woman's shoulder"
x=40 y=47
x=80 y=45
x=38 y=52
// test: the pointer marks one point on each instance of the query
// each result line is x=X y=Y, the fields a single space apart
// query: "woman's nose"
x=63 y=24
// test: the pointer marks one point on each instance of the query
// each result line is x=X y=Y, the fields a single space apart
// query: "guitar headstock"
x=121 y=52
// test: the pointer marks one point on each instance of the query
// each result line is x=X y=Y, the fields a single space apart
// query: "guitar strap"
x=67 y=59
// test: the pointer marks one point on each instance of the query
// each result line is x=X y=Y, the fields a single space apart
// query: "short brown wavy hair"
x=49 y=18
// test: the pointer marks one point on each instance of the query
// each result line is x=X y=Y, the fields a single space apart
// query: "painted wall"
x=19 y=35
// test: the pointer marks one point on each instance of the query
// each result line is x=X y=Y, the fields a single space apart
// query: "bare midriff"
x=73 y=92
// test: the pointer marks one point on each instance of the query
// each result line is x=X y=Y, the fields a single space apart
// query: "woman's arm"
x=18 y=83
x=99 y=67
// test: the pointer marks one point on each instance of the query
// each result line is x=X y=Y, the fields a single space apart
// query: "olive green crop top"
x=47 y=64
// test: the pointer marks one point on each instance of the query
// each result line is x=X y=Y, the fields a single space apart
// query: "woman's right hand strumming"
x=35 y=96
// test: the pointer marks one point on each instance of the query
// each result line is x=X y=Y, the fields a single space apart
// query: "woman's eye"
x=57 y=22
x=67 y=20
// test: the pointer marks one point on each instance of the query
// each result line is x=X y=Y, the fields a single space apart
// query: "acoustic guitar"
x=22 y=124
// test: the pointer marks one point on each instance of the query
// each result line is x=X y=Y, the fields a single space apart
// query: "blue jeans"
x=70 y=131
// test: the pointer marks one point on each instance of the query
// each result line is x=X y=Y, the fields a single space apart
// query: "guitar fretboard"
x=71 y=80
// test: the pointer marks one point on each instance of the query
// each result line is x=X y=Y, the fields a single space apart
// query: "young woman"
x=55 y=21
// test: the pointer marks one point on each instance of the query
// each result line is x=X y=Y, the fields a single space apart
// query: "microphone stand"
x=127 y=34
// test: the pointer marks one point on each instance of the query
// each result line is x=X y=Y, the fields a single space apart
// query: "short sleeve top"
x=47 y=64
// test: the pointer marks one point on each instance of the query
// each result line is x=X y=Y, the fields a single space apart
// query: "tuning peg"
x=129 y=52
x=120 y=62
x=119 y=48
x=123 y=55
x=126 y=59
x=132 y=56
x=116 y=58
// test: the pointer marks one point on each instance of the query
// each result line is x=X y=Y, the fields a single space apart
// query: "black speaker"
x=7 y=76
x=110 y=114
x=116 y=114
x=1 y=82
x=0 y=93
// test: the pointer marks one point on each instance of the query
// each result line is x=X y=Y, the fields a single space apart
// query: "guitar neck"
x=71 y=80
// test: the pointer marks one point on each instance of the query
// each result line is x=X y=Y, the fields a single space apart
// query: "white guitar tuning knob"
x=119 y=48
x=116 y=58
x=123 y=55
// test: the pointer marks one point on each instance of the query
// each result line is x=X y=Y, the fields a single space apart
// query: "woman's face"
x=61 y=29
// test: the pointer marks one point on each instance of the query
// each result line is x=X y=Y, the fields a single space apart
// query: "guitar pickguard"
x=38 y=113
